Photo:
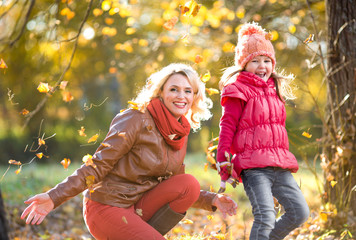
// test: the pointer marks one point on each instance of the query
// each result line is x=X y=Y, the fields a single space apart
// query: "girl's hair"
x=154 y=85
x=281 y=80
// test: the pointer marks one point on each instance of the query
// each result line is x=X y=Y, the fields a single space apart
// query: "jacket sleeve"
x=205 y=201
x=119 y=140
x=232 y=110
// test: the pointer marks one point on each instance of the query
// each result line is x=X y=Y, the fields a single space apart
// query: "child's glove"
x=227 y=173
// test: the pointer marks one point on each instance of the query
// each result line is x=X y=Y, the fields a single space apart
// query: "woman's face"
x=261 y=66
x=177 y=95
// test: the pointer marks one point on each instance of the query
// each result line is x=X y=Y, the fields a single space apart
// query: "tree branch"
x=44 y=100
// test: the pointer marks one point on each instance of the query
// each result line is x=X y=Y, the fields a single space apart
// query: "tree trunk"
x=339 y=159
x=3 y=222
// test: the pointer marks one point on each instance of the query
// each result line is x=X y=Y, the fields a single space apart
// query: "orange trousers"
x=113 y=223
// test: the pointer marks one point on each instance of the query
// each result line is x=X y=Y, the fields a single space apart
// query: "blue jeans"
x=261 y=185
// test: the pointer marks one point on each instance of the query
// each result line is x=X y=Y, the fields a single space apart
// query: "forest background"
x=68 y=67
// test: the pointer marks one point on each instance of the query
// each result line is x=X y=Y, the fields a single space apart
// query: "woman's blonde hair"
x=282 y=81
x=154 y=85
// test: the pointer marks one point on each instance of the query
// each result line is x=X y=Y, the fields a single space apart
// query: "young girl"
x=252 y=129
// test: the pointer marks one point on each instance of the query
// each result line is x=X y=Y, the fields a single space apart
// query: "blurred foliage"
x=116 y=45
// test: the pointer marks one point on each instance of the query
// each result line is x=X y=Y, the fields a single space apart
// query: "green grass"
x=36 y=178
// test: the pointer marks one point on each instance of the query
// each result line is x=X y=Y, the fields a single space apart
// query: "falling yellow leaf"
x=191 y=8
x=307 y=135
x=65 y=162
x=212 y=148
x=89 y=180
x=198 y=59
x=39 y=155
x=88 y=160
x=206 y=77
x=24 y=112
x=41 y=142
x=206 y=166
x=210 y=217
x=124 y=219
x=187 y=221
x=82 y=132
x=333 y=183
x=139 y=212
x=323 y=217
x=14 y=162
x=93 y=138
x=43 y=87
x=63 y=85
x=210 y=158
x=18 y=171
x=169 y=25
x=105 y=145
x=67 y=96
x=2 y=63
x=309 y=39
x=212 y=91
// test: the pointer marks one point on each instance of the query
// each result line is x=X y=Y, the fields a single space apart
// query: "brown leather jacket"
x=132 y=159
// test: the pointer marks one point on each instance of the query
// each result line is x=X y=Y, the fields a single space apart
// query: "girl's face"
x=177 y=95
x=261 y=66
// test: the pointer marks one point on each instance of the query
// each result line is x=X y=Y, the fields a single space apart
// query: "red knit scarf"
x=172 y=130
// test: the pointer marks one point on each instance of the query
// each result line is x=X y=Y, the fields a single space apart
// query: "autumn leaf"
x=63 y=85
x=41 y=142
x=43 y=87
x=67 y=96
x=307 y=135
x=109 y=21
x=210 y=158
x=124 y=219
x=68 y=13
x=210 y=149
x=169 y=25
x=39 y=155
x=309 y=39
x=187 y=221
x=24 y=112
x=206 y=77
x=136 y=106
x=89 y=180
x=191 y=8
x=14 y=162
x=105 y=145
x=139 y=212
x=93 y=138
x=198 y=59
x=212 y=91
x=18 y=170
x=82 y=132
x=109 y=31
x=88 y=160
x=210 y=217
x=186 y=39
x=130 y=31
x=333 y=183
x=65 y=162
x=2 y=63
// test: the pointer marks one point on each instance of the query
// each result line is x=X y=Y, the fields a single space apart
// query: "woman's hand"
x=40 y=206
x=225 y=204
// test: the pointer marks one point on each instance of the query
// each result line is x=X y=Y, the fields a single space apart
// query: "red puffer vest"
x=261 y=139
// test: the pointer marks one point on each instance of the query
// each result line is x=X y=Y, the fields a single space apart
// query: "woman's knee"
x=189 y=184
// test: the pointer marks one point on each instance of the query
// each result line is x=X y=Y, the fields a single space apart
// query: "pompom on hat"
x=253 y=41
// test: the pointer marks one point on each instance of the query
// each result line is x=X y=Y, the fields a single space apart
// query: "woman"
x=140 y=190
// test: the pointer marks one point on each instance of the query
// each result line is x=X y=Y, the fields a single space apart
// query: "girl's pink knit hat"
x=253 y=41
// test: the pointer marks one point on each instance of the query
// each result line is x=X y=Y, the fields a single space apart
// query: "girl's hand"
x=225 y=204
x=40 y=206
